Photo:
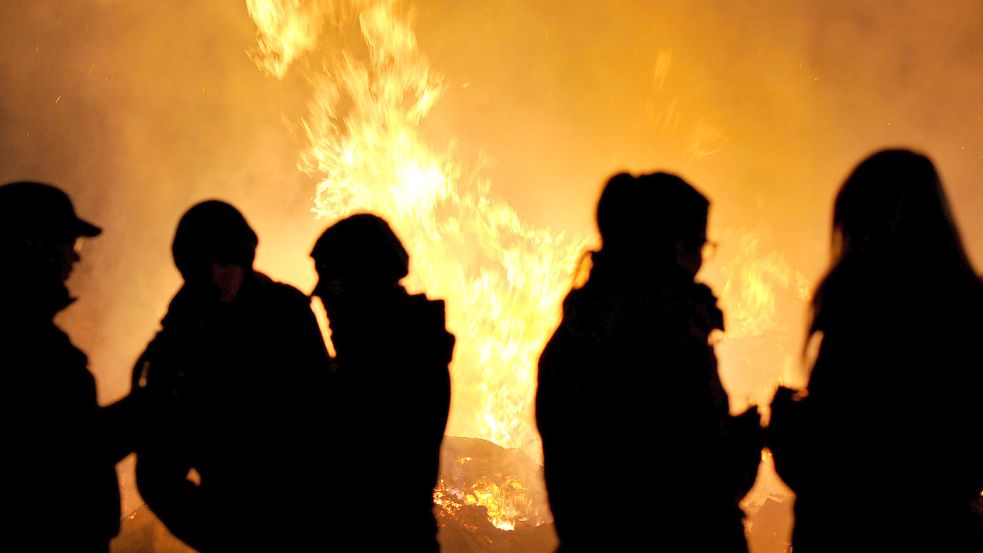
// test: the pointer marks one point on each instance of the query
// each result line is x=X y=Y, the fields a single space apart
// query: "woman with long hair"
x=640 y=451
x=885 y=449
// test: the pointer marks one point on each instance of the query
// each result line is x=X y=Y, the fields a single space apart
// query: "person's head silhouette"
x=39 y=239
x=892 y=227
x=892 y=209
x=651 y=222
x=356 y=257
x=214 y=248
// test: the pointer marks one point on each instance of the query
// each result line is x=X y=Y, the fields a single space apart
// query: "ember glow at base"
x=483 y=132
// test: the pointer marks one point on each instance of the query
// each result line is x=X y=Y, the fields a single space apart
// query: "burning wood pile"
x=489 y=499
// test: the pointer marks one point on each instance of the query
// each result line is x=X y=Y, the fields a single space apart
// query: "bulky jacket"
x=885 y=453
x=392 y=399
x=239 y=391
x=59 y=446
x=638 y=444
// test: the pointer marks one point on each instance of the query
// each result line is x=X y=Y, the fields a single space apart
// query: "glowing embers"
x=491 y=499
x=504 y=502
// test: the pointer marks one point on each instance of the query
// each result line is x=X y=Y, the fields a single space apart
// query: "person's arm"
x=305 y=353
x=162 y=466
x=790 y=437
x=162 y=479
x=124 y=424
x=120 y=423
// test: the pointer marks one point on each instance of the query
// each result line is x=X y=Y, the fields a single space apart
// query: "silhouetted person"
x=392 y=387
x=640 y=452
x=885 y=453
x=59 y=447
x=238 y=374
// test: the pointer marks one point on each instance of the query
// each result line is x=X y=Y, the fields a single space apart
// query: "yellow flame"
x=503 y=280
x=752 y=276
x=289 y=29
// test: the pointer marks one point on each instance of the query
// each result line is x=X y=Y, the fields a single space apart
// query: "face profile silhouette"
x=40 y=237
x=214 y=247
x=357 y=256
x=651 y=223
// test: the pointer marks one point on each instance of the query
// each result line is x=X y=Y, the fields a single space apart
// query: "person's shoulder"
x=577 y=299
x=709 y=316
x=46 y=349
x=432 y=311
x=591 y=303
x=421 y=323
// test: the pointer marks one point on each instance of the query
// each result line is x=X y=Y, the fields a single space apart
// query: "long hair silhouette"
x=892 y=227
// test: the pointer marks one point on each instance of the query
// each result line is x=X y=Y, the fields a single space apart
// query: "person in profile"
x=237 y=377
x=639 y=448
x=885 y=449
x=60 y=446
x=391 y=387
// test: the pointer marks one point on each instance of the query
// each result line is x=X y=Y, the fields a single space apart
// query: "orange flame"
x=751 y=277
x=503 y=279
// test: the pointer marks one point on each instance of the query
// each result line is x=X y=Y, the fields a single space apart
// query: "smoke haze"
x=140 y=109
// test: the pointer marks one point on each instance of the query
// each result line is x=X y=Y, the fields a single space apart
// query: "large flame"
x=751 y=276
x=503 y=279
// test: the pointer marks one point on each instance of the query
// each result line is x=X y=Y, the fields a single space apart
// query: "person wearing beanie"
x=392 y=387
x=238 y=377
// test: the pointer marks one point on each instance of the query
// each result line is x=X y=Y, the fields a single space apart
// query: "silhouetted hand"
x=786 y=434
x=152 y=395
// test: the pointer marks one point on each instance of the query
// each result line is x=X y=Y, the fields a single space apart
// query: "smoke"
x=787 y=97
x=141 y=108
x=764 y=106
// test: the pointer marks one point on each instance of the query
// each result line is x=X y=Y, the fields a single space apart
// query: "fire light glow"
x=502 y=278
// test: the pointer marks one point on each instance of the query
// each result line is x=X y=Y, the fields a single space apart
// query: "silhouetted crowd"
x=250 y=436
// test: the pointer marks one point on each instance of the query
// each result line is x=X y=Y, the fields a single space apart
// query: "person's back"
x=893 y=419
x=392 y=393
x=239 y=385
x=638 y=444
x=391 y=388
x=884 y=451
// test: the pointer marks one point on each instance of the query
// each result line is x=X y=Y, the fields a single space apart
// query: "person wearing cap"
x=60 y=447
x=391 y=388
x=237 y=375
x=639 y=448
